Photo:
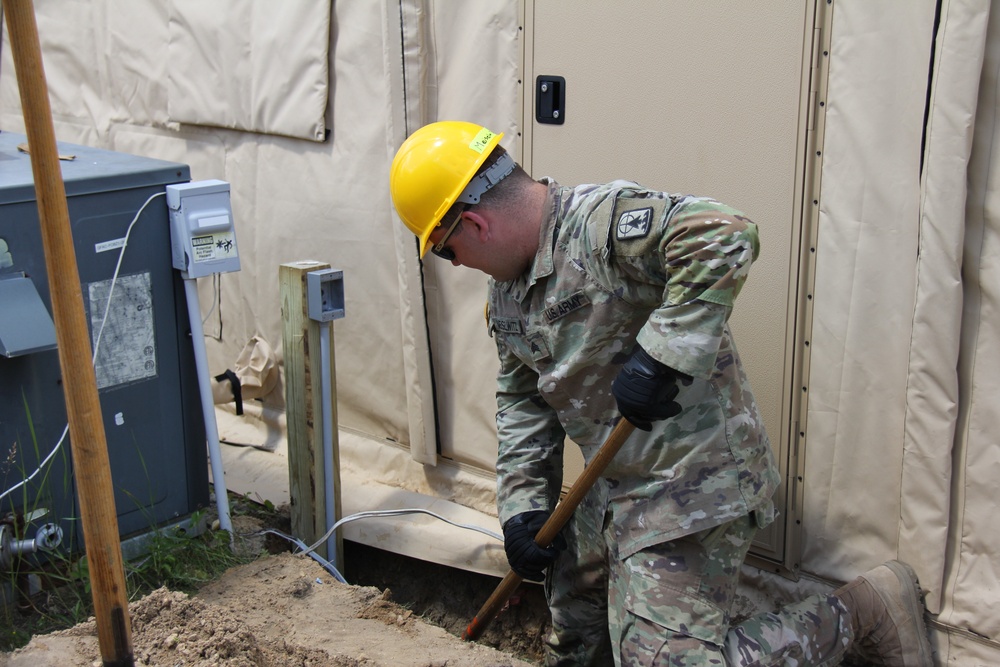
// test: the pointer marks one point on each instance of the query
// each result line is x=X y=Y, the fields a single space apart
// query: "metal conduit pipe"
x=326 y=398
x=207 y=403
x=325 y=303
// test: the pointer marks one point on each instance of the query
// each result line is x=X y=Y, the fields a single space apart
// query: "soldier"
x=610 y=301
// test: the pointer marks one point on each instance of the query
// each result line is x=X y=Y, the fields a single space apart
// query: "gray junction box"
x=145 y=368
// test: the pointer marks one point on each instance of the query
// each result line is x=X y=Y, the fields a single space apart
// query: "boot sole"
x=913 y=599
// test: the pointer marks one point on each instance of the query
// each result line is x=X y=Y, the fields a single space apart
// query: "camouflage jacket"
x=619 y=264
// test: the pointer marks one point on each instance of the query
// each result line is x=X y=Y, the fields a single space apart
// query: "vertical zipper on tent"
x=930 y=83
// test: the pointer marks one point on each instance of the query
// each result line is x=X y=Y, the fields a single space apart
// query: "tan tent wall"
x=898 y=445
x=865 y=284
x=900 y=456
x=969 y=598
x=389 y=66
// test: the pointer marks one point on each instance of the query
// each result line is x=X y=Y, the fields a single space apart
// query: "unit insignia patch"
x=634 y=224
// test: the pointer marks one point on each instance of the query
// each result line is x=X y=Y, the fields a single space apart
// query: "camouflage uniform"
x=619 y=264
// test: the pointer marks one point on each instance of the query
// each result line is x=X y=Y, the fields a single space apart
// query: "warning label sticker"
x=213 y=246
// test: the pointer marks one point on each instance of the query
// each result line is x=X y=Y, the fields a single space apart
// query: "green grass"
x=180 y=559
x=183 y=557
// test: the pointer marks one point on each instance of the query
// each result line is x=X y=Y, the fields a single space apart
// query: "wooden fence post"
x=303 y=410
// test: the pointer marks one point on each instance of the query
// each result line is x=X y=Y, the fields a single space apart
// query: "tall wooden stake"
x=304 y=413
x=86 y=428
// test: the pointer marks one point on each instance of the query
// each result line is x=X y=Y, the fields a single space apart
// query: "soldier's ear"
x=481 y=223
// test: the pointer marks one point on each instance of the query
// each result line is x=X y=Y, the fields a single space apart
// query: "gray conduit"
x=207 y=403
x=327 y=401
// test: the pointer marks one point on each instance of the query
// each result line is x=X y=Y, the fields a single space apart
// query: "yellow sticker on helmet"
x=482 y=140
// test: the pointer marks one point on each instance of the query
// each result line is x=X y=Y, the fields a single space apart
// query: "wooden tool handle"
x=564 y=510
x=91 y=466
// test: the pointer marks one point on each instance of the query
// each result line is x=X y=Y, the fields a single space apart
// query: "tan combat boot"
x=887 y=615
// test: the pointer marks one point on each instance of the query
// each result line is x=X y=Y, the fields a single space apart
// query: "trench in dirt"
x=449 y=598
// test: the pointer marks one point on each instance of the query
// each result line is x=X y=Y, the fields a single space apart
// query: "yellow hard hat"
x=433 y=169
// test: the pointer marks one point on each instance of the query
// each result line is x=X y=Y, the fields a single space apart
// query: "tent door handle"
x=550 y=99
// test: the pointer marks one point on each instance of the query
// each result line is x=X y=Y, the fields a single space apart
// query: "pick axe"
x=564 y=510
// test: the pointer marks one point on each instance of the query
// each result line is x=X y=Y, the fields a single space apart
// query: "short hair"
x=503 y=194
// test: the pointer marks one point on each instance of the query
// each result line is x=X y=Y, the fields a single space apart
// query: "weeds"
x=180 y=558
x=182 y=562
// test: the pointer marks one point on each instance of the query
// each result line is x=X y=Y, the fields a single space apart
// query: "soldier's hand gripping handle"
x=645 y=390
x=525 y=556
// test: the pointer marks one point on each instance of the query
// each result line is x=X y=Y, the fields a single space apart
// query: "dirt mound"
x=280 y=611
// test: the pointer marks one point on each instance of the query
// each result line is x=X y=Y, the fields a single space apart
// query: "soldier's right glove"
x=526 y=558
x=645 y=390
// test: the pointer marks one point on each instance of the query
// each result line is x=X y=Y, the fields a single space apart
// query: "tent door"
x=702 y=98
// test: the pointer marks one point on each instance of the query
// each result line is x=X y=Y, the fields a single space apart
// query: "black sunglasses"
x=438 y=248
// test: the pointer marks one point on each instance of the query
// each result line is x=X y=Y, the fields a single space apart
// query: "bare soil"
x=285 y=610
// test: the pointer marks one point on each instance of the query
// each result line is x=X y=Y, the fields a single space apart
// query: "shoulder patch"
x=634 y=224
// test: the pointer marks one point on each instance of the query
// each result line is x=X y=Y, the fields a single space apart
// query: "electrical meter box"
x=145 y=365
x=201 y=218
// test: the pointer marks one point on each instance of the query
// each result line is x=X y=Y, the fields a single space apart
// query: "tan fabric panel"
x=971 y=594
x=475 y=49
x=296 y=200
x=932 y=393
x=255 y=66
x=292 y=199
x=137 y=74
x=70 y=36
x=865 y=282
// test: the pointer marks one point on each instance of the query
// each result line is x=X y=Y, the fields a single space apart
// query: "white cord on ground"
x=398 y=512
x=97 y=343
x=310 y=550
x=315 y=556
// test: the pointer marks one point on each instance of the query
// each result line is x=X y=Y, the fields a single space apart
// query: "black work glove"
x=526 y=558
x=645 y=390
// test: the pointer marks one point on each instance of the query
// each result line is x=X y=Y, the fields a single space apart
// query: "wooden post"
x=91 y=466
x=303 y=410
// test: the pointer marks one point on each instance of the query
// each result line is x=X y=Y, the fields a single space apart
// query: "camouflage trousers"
x=671 y=604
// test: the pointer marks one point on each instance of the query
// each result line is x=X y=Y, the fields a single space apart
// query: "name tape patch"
x=508 y=325
x=573 y=302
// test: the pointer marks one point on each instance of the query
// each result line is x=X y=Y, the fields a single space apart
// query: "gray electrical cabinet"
x=145 y=365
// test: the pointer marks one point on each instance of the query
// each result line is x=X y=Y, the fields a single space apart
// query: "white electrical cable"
x=114 y=278
x=97 y=342
x=40 y=465
x=216 y=297
x=365 y=515
x=378 y=513
x=315 y=556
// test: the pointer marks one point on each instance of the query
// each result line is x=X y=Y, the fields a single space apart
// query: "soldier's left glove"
x=645 y=390
x=526 y=558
